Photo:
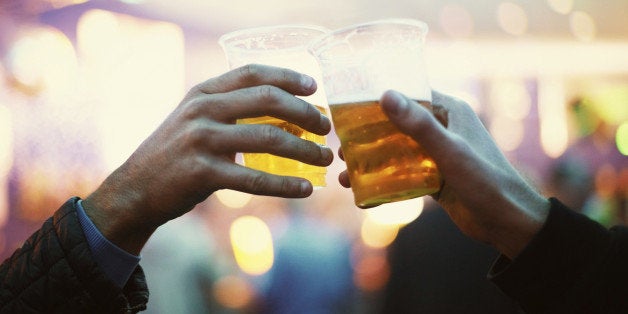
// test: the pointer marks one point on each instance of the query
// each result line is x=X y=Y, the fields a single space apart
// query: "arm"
x=554 y=261
x=189 y=156
x=573 y=265
x=192 y=153
x=486 y=198
x=53 y=272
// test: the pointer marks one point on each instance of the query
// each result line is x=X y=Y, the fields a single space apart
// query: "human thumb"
x=416 y=121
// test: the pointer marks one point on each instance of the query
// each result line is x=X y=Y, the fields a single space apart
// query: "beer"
x=384 y=165
x=285 y=166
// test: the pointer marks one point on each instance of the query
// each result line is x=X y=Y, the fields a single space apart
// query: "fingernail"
x=307 y=82
x=326 y=153
x=305 y=188
x=325 y=121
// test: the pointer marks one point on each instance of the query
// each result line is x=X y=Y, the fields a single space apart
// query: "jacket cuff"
x=568 y=246
x=115 y=262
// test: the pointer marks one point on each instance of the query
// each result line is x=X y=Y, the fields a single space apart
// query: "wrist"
x=519 y=224
x=118 y=216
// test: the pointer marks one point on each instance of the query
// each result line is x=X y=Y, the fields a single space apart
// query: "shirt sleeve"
x=115 y=262
x=573 y=265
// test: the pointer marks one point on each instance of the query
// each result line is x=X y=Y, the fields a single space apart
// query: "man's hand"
x=192 y=153
x=484 y=195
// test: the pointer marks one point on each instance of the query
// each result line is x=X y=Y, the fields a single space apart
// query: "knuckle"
x=196 y=137
x=193 y=108
x=270 y=135
x=312 y=113
x=196 y=89
x=268 y=93
x=249 y=72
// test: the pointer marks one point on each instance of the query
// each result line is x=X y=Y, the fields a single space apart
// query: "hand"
x=192 y=153
x=483 y=194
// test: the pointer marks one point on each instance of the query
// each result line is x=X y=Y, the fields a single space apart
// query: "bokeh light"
x=561 y=6
x=510 y=98
x=371 y=272
x=621 y=138
x=397 y=213
x=508 y=133
x=232 y=198
x=136 y=67
x=512 y=18
x=582 y=26
x=456 y=21
x=252 y=245
x=377 y=235
x=233 y=292
x=510 y=103
x=55 y=72
x=62 y=3
x=553 y=126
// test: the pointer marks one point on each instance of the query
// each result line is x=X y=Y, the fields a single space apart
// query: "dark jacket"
x=53 y=272
x=573 y=265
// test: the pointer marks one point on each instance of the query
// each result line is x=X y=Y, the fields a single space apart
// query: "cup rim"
x=316 y=44
x=233 y=35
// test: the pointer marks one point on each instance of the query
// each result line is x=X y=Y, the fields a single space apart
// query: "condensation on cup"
x=359 y=63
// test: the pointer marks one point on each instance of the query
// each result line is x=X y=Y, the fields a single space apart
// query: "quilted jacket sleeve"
x=53 y=272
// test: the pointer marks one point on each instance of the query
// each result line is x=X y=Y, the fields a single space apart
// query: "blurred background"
x=82 y=83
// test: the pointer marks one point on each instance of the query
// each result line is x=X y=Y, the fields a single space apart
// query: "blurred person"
x=585 y=176
x=312 y=271
x=552 y=259
x=84 y=259
x=180 y=264
x=434 y=268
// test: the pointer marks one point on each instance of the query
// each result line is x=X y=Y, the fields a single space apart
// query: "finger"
x=264 y=138
x=254 y=75
x=459 y=118
x=343 y=178
x=259 y=101
x=240 y=178
x=418 y=122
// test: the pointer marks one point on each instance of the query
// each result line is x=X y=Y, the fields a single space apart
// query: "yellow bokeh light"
x=233 y=199
x=508 y=133
x=561 y=6
x=512 y=18
x=621 y=138
x=397 y=213
x=44 y=58
x=136 y=67
x=252 y=245
x=377 y=235
x=510 y=98
x=582 y=26
x=554 y=131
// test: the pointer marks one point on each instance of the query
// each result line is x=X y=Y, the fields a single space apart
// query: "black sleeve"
x=53 y=272
x=573 y=265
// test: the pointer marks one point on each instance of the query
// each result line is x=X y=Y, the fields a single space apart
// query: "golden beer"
x=285 y=166
x=384 y=165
